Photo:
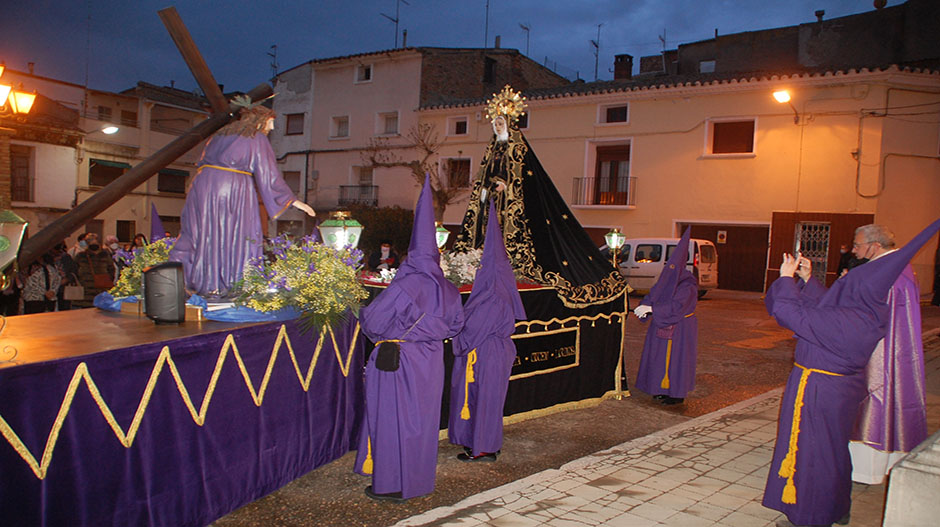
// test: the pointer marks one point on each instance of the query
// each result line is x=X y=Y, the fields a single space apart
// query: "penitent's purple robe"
x=490 y=316
x=893 y=415
x=221 y=221
x=836 y=341
x=671 y=338
x=403 y=407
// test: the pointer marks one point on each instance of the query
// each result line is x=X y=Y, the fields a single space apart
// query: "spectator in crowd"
x=384 y=258
x=68 y=271
x=140 y=241
x=41 y=285
x=95 y=272
x=80 y=245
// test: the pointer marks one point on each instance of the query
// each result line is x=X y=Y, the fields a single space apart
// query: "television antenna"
x=526 y=27
x=274 y=64
x=397 y=9
x=597 y=49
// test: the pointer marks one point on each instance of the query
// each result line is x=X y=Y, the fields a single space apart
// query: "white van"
x=641 y=260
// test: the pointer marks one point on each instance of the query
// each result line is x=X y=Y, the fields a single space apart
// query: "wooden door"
x=742 y=253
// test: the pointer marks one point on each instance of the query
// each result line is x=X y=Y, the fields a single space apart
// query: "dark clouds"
x=120 y=42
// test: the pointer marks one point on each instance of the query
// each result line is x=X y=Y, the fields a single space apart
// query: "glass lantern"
x=341 y=230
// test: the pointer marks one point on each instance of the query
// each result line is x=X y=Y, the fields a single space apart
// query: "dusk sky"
x=116 y=43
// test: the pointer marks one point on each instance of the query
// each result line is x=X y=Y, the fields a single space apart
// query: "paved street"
x=630 y=462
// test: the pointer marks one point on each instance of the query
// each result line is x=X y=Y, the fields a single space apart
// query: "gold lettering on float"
x=567 y=351
x=539 y=356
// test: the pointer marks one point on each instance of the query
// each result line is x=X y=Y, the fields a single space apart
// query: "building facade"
x=60 y=155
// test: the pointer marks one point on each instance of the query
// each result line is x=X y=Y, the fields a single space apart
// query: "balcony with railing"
x=359 y=195
x=605 y=191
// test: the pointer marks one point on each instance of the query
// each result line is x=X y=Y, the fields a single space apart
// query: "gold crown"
x=508 y=103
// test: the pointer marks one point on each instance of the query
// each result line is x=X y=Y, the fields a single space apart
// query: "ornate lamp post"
x=341 y=231
x=615 y=240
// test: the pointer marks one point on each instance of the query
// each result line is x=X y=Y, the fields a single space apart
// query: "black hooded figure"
x=544 y=240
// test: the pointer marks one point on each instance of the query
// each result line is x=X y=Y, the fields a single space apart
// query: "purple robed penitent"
x=403 y=408
x=671 y=340
x=478 y=392
x=221 y=221
x=836 y=330
x=893 y=416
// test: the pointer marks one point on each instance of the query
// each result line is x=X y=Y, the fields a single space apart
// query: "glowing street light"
x=16 y=101
x=783 y=96
x=615 y=240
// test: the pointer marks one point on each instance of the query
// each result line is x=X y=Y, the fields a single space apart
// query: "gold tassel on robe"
x=788 y=465
x=471 y=360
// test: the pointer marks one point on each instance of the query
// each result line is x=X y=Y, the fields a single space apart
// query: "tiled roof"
x=174 y=96
x=398 y=50
x=662 y=82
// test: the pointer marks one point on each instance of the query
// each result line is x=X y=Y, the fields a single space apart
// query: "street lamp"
x=442 y=234
x=615 y=240
x=341 y=231
x=783 y=96
x=15 y=101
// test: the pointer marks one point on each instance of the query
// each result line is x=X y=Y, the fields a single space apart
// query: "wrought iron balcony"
x=605 y=191
x=359 y=195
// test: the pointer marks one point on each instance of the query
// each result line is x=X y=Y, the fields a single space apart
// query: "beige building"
x=60 y=155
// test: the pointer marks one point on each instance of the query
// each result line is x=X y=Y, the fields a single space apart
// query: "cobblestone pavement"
x=612 y=463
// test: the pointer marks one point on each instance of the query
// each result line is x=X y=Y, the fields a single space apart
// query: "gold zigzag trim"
x=81 y=373
x=562 y=321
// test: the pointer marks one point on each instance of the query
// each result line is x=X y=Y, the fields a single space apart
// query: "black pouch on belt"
x=386 y=357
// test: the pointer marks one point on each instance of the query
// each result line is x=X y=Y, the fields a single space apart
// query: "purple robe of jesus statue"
x=667 y=366
x=892 y=419
x=221 y=222
x=420 y=308
x=478 y=391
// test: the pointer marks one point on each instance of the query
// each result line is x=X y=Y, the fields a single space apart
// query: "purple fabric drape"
x=221 y=221
x=893 y=416
x=175 y=473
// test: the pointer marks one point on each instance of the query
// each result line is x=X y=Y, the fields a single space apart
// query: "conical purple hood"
x=674 y=271
x=423 y=236
x=495 y=276
x=423 y=255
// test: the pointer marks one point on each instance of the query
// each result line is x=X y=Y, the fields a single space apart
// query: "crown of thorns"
x=508 y=103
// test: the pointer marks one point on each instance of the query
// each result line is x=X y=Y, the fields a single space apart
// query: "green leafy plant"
x=129 y=281
x=308 y=276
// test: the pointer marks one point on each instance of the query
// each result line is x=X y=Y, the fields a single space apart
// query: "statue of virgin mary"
x=544 y=240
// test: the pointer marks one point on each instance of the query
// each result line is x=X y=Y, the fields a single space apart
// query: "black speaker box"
x=164 y=296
